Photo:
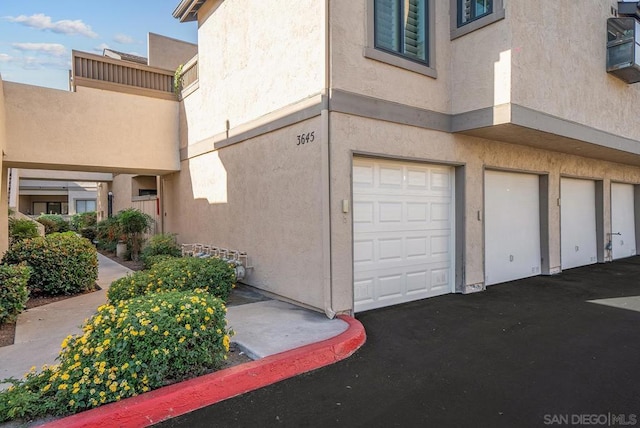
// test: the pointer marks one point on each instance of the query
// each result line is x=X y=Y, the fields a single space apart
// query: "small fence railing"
x=102 y=72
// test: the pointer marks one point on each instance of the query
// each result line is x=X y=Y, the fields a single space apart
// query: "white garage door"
x=578 y=222
x=512 y=226
x=403 y=224
x=623 y=224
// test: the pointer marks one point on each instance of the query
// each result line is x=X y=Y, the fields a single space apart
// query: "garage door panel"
x=578 y=222
x=623 y=238
x=402 y=232
x=512 y=226
x=381 y=287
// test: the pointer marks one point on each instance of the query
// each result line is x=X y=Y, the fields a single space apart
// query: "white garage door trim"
x=512 y=226
x=578 y=233
x=403 y=232
x=623 y=228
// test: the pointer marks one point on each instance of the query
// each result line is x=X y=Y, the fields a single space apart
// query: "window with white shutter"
x=470 y=15
x=401 y=28
x=470 y=10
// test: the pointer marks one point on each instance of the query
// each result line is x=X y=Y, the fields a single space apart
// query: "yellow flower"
x=75 y=391
x=76 y=357
x=166 y=333
x=86 y=370
x=113 y=387
x=46 y=387
x=181 y=339
x=72 y=402
x=125 y=366
x=203 y=327
x=210 y=310
x=63 y=386
x=187 y=326
x=65 y=376
x=225 y=342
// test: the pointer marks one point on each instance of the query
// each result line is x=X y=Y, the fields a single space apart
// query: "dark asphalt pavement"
x=527 y=353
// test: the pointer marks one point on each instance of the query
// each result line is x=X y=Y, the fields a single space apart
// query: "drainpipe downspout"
x=326 y=171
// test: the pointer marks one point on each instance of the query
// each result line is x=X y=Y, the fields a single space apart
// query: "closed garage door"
x=623 y=224
x=403 y=227
x=512 y=226
x=578 y=222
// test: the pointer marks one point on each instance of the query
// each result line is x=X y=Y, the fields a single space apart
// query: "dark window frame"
x=457 y=29
x=427 y=68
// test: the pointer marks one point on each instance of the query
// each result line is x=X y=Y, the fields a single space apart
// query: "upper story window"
x=400 y=33
x=470 y=15
x=470 y=10
x=401 y=28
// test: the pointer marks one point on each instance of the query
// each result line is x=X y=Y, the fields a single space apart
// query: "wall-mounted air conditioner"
x=623 y=48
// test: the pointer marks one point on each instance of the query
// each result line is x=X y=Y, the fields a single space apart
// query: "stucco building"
x=370 y=152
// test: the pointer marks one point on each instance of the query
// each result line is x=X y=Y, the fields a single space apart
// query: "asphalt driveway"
x=545 y=351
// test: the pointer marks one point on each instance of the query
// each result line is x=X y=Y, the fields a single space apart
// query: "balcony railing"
x=189 y=75
x=100 y=72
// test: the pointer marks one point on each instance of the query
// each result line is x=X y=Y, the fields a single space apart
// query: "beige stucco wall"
x=352 y=71
x=262 y=196
x=481 y=67
x=560 y=69
x=254 y=57
x=168 y=53
x=357 y=134
x=122 y=192
x=90 y=130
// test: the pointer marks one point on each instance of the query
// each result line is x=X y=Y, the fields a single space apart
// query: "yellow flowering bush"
x=126 y=349
x=177 y=274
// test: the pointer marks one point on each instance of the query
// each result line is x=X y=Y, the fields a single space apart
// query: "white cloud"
x=6 y=58
x=123 y=39
x=101 y=47
x=54 y=49
x=38 y=63
x=44 y=22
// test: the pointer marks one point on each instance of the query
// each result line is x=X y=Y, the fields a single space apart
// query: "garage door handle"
x=510 y=258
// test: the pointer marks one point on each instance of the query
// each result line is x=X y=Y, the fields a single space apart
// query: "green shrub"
x=61 y=263
x=89 y=233
x=108 y=233
x=177 y=274
x=53 y=223
x=126 y=349
x=163 y=243
x=13 y=291
x=134 y=223
x=150 y=261
x=81 y=220
x=20 y=229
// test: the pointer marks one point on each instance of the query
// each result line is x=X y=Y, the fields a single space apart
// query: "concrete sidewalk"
x=262 y=328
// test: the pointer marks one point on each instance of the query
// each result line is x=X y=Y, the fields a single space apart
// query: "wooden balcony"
x=100 y=72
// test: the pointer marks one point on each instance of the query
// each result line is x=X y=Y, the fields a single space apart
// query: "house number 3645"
x=306 y=138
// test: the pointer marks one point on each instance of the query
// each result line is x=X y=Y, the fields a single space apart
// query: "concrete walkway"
x=41 y=330
x=262 y=328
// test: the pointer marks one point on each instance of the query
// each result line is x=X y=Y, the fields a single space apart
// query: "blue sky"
x=37 y=36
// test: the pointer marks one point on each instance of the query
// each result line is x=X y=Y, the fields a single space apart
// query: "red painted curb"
x=184 y=397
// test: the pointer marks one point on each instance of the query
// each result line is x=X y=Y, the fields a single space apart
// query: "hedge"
x=177 y=274
x=61 y=263
x=13 y=291
x=125 y=350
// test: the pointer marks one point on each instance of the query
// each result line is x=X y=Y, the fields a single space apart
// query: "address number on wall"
x=306 y=138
